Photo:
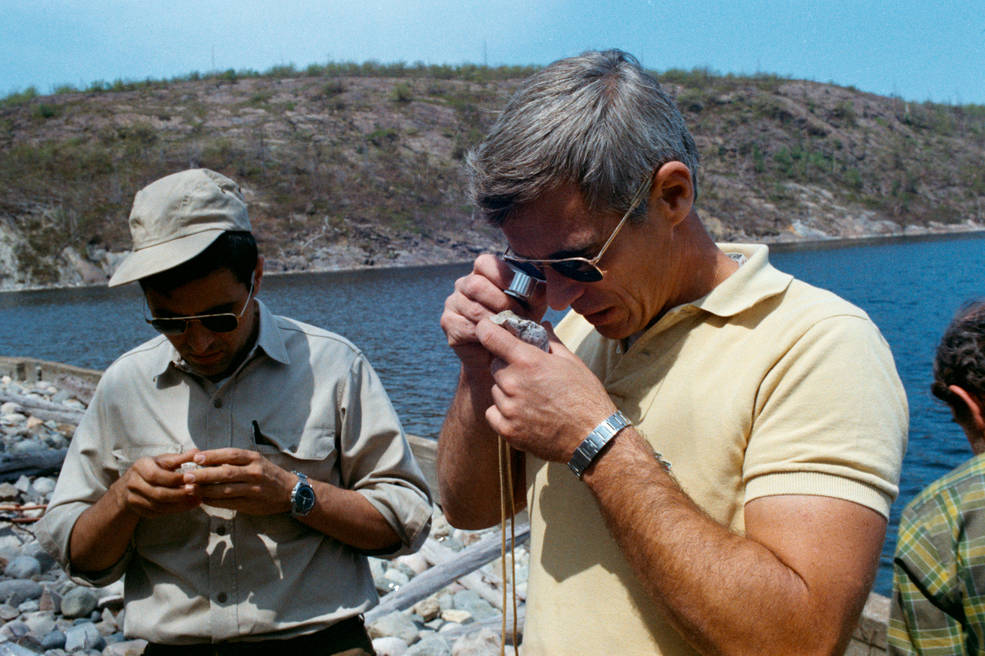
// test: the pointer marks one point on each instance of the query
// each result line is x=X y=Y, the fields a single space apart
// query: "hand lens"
x=521 y=287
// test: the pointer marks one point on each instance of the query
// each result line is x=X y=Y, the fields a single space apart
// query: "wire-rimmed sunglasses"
x=581 y=269
x=222 y=322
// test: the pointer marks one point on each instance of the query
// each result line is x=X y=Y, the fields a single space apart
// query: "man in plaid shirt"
x=939 y=570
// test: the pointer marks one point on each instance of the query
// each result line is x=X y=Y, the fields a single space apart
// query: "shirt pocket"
x=312 y=452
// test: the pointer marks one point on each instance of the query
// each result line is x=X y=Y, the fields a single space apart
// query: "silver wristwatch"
x=592 y=445
x=302 y=496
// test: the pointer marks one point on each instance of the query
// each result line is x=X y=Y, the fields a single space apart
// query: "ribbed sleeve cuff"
x=819 y=484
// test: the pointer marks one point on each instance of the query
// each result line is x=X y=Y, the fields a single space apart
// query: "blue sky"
x=914 y=49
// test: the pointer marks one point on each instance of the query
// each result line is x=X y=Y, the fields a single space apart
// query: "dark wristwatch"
x=302 y=497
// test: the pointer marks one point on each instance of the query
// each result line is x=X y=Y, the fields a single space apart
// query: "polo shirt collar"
x=269 y=339
x=754 y=281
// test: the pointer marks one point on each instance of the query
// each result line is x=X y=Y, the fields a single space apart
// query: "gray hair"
x=960 y=357
x=597 y=120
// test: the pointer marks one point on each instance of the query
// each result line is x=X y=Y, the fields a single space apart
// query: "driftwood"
x=423 y=585
x=43 y=409
x=438 y=554
x=34 y=463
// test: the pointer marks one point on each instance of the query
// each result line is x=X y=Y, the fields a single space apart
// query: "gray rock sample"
x=479 y=643
x=529 y=331
x=395 y=624
x=79 y=602
x=17 y=591
x=390 y=646
x=22 y=567
x=84 y=636
x=430 y=646
x=54 y=639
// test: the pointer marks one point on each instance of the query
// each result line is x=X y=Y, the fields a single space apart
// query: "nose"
x=198 y=338
x=561 y=291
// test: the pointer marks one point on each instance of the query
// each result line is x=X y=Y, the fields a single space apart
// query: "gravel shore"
x=42 y=611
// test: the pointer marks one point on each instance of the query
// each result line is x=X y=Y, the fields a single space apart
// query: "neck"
x=701 y=265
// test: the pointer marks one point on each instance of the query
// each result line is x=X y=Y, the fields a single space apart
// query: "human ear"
x=673 y=191
x=969 y=416
x=258 y=275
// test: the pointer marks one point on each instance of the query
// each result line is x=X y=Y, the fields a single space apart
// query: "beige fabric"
x=176 y=218
x=212 y=574
x=765 y=386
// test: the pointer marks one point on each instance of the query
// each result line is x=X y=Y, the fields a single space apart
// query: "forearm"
x=468 y=460
x=350 y=518
x=724 y=592
x=102 y=533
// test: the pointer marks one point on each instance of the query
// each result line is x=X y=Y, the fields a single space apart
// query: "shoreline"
x=779 y=246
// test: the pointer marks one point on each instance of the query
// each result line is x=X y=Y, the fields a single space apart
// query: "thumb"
x=496 y=339
x=174 y=460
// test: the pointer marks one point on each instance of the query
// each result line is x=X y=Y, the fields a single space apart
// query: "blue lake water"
x=910 y=288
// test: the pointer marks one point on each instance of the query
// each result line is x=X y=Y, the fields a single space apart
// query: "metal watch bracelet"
x=592 y=445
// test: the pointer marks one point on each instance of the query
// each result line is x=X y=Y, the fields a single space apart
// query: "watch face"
x=304 y=500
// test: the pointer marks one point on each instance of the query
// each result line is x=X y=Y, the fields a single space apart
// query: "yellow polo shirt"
x=765 y=386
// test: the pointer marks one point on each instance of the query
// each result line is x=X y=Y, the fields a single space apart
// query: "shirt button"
x=221 y=597
x=217 y=403
x=221 y=530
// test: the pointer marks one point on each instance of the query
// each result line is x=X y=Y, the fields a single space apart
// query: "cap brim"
x=161 y=257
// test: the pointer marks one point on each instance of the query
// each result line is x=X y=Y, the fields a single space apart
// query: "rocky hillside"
x=361 y=165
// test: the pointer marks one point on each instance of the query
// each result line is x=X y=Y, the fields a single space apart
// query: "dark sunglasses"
x=223 y=322
x=581 y=269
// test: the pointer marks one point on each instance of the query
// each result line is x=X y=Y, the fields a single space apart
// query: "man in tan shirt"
x=709 y=451
x=239 y=467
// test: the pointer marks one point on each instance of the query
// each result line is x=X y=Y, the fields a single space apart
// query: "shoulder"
x=819 y=303
x=958 y=492
x=146 y=360
x=321 y=343
x=811 y=317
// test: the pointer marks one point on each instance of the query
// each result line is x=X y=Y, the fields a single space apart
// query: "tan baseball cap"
x=176 y=218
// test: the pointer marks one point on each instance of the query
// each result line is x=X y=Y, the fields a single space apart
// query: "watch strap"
x=592 y=446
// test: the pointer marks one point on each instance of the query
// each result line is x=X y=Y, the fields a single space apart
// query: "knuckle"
x=470 y=285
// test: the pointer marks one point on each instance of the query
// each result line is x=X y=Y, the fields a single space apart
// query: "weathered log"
x=43 y=409
x=421 y=586
x=438 y=554
x=33 y=463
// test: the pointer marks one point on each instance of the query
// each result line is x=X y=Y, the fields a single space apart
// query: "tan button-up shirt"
x=213 y=574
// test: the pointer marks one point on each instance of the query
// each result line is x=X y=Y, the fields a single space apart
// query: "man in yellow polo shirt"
x=709 y=451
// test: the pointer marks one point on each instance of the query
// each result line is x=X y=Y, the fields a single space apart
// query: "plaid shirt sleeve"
x=938 y=605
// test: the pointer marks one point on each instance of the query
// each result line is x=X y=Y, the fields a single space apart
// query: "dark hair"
x=960 y=358
x=597 y=120
x=232 y=250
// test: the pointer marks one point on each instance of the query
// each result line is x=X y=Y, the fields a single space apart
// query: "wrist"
x=119 y=494
x=596 y=442
x=302 y=496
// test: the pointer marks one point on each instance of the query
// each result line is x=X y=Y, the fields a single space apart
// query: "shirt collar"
x=269 y=339
x=753 y=282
